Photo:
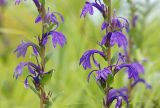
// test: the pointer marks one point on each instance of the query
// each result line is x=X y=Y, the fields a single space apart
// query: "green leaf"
x=104 y=49
x=110 y=79
x=46 y=77
x=114 y=58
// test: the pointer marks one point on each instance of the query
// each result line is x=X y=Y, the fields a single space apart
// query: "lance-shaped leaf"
x=46 y=77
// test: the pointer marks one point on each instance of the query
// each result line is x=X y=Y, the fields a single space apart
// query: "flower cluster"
x=113 y=35
x=36 y=71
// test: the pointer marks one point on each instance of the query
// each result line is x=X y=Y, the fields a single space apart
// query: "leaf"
x=46 y=77
x=110 y=79
x=104 y=49
x=114 y=58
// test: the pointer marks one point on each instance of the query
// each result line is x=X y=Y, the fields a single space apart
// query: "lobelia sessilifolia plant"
x=113 y=27
x=38 y=76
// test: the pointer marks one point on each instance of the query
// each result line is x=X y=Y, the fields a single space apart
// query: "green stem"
x=108 y=42
x=108 y=50
x=42 y=92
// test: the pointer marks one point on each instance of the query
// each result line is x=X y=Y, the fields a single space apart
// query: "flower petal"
x=58 y=38
x=38 y=19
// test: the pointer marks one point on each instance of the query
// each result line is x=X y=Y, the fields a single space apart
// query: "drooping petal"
x=117 y=94
x=104 y=26
x=138 y=66
x=31 y=70
x=89 y=75
x=60 y=15
x=132 y=72
x=119 y=102
x=19 y=69
x=142 y=81
x=104 y=39
x=22 y=48
x=35 y=51
x=116 y=24
x=125 y=23
x=103 y=74
x=118 y=38
x=58 y=38
x=100 y=7
x=38 y=19
x=31 y=67
x=95 y=62
x=85 y=59
x=87 y=9
x=37 y=3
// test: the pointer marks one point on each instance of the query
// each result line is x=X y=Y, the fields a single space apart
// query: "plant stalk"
x=42 y=92
x=108 y=50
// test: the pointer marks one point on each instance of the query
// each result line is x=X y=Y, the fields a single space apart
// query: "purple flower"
x=104 y=25
x=88 y=8
x=51 y=17
x=119 y=38
x=22 y=48
x=138 y=66
x=101 y=75
x=119 y=95
x=31 y=67
x=34 y=72
x=116 y=37
x=132 y=71
x=37 y=3
x=142 y=81
x=35 y=78
x=85 y=59
x=117 y=24
x=57 y=38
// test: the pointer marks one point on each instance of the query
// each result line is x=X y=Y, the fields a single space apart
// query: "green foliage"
x=46 y=77
x=70 y=79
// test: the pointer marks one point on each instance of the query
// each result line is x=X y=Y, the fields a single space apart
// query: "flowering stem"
x=108 y=41
x=42 y=92
x=108 y=52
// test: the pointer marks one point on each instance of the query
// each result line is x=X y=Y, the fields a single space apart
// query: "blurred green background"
x=69 y=80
